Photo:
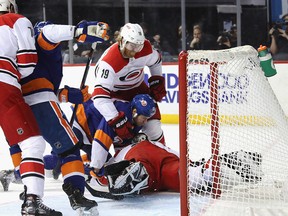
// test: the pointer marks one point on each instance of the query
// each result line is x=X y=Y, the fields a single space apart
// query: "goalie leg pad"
x=130 y=181
x=245 y=164
x=116 y=168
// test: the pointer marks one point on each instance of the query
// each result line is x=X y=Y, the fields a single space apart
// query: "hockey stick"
x=102 y=194
x=90 y=55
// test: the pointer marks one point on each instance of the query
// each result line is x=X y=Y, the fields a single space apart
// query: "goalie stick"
x=102 y=194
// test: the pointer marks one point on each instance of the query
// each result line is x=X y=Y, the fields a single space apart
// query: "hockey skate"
x=8 y=176
x=78 y=202
x=33 y=205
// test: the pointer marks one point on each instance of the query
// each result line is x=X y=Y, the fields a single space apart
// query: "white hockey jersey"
x=18 y=55
x=115 y=73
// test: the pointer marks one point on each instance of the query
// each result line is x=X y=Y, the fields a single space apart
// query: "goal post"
x=183 y=134
x=233 y=136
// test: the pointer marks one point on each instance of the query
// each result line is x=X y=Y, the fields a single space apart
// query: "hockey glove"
x=99 y=174
x=157 y=87
x=122 y=127
x=91 y=31
x=73 y=95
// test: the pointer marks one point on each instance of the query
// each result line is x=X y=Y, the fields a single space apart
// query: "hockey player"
x=94 y=132
x=137 y=113
x=138 y=169
x=40 y=90
x=120 y=76
x=18 y=58
x=97 y=135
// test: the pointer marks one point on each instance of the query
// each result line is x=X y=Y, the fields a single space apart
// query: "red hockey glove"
x=123 y=128
x=157 y=87
x=73 y=95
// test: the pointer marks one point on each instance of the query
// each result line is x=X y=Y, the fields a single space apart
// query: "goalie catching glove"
x=126 y=177
x=73 y=95
x=91 y=32
x=157 y=87
x=121 y=125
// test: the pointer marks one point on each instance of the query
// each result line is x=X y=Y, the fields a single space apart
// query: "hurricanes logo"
x=20 y=131
x=132 y=75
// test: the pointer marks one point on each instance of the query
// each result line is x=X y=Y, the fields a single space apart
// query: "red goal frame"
x=214 y=125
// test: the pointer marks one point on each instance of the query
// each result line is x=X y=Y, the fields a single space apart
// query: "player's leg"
x=9 y=176
x=58 y=133
x=19 y=126
x=235 y=168
x=247 y=165
x=12 y=175
x=170 y=174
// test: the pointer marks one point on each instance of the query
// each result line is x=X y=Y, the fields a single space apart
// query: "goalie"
x=150 y=166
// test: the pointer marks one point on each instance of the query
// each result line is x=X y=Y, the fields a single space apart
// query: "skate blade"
x=84 y=211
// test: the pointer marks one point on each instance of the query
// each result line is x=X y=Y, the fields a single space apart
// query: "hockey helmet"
x=5 y=6
x=39 y=25
x=144 y=105
x=132 y=37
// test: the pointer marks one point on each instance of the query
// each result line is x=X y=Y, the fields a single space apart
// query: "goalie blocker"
x=150 y=166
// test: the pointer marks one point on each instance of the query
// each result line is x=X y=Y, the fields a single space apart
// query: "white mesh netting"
x=248 y=127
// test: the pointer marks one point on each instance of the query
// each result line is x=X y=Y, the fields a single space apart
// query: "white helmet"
x=132 y=33
x=5 y=6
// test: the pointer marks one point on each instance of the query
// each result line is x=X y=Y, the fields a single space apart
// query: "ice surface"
x=154 y=204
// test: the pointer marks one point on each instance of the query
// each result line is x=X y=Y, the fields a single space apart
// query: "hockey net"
x=230 y=117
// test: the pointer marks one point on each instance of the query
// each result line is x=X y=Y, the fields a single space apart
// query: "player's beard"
x=128 y=54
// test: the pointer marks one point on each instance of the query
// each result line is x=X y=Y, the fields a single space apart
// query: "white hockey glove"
x=91 y=31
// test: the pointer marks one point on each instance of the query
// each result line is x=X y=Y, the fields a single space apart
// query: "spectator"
x=156 y=42
x=233 y=36
x=188 y=38
x=279 y=40
x=115 y=36
x=223 y=41
x=146 y=32
x=201 y=41
x=163 y=47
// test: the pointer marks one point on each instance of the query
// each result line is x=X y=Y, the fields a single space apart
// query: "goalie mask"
x=8 y=6
x=144 y=105
x=132 y=37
